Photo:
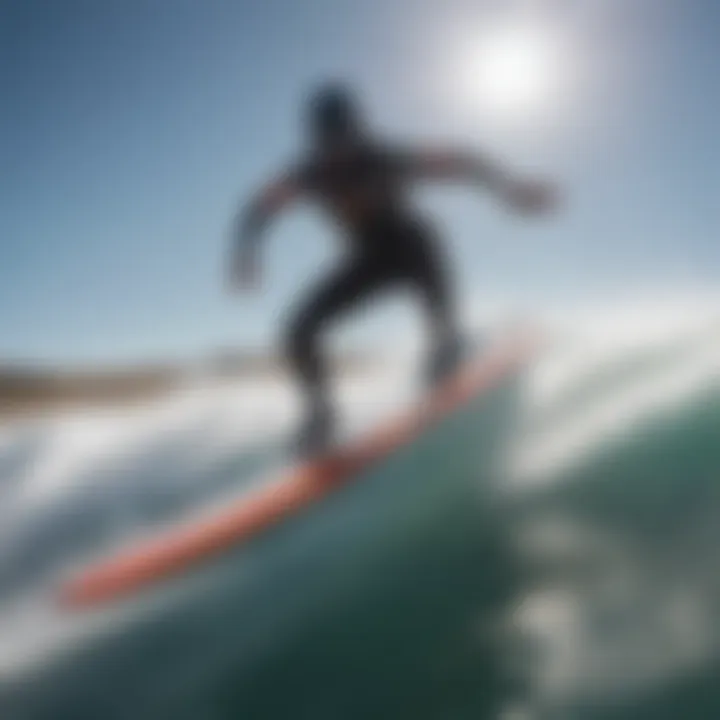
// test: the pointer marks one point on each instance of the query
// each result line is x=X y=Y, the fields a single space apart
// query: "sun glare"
x=515 y=69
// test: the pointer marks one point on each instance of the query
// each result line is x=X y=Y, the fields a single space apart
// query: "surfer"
x=362 y=183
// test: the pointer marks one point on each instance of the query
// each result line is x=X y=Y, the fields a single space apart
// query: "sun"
x=515 y=69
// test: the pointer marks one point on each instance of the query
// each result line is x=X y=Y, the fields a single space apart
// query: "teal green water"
x=408 y=595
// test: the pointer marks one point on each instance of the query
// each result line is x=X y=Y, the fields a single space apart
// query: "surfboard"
x=179 y=548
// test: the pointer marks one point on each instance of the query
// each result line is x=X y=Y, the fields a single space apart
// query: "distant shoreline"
x=29 y=392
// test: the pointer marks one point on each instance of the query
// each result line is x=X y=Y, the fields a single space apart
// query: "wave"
x=608 y=379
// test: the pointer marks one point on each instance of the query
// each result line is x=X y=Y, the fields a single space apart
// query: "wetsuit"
x=390 y=246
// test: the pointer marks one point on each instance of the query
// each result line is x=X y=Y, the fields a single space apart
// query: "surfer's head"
x=333 y=116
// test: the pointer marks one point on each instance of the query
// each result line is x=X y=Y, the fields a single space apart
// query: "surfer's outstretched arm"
x=523 y=195
x=251 y=223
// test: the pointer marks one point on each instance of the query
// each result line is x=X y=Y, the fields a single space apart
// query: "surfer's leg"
x=340 y=292
x=430 y=277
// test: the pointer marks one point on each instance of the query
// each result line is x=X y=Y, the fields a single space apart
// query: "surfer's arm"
x=527 y=196
x=251 y=223
x=458 y=166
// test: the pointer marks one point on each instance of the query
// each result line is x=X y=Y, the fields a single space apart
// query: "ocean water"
x=548 y=553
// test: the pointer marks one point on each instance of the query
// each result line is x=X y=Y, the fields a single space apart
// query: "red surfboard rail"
x=182 y=546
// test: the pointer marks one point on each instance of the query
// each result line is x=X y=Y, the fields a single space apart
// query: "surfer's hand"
x=532 y=197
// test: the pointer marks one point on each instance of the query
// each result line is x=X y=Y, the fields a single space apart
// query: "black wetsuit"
x=390 y=246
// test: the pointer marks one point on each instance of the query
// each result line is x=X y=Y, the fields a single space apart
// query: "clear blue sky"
x=130 y=129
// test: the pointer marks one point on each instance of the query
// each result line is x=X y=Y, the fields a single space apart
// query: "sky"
x=131 y=130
